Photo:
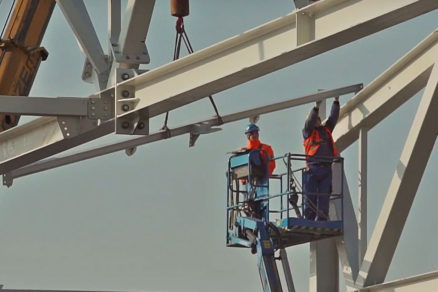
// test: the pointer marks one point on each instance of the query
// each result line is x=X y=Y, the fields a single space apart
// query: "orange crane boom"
x=20 y=51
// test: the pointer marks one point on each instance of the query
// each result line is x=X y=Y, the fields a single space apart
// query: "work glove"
x=318 y=103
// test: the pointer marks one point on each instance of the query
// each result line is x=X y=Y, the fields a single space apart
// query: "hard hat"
x=251 y=128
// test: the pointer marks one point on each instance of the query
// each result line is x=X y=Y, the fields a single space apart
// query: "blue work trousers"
x=317 y=182
x=261 y=188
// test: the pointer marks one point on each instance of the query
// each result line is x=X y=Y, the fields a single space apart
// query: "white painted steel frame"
x=136 y=21
x=324 y=263
x=77 y=16
x=423 y=282
x=206 y=126
x=44 y=106
x=114 y=21
x=403 y=187
x=313 y=31
x=375 y=102
x=362 y=192
x=387 y=92
x=257 y=52
x=267 y=48
x=347 y=246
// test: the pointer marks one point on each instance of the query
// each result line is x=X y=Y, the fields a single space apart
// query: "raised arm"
x=334 y=115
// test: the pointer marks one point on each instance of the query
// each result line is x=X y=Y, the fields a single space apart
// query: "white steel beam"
x=347 y=245
x=191 y=128
x=77 y=16
x=33 y=141
x=403 y=187
x=114 y=21
x=324 y=263
x=252 y=54
x=44 y=106
x=131 y=47
x=424 y=282
x=362 y=192
x=267 y=48
x=387 y=92
x=324 y=266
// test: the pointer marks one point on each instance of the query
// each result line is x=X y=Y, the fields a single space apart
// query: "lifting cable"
x=181 y=9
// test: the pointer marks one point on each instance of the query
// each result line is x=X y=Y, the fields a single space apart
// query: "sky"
x=155 y=221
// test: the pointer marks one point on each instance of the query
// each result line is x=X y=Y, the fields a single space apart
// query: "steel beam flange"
x=73 y=126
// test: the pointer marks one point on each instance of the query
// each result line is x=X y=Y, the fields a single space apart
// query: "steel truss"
x=130 y=97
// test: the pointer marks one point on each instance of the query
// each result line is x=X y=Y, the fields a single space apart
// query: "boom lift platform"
x=265 y=213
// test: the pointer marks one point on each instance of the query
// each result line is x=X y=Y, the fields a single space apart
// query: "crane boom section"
x=20 y=51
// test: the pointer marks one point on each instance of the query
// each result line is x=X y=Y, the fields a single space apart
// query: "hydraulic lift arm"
x=20 y=51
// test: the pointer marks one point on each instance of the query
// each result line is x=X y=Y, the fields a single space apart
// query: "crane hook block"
x=179 y=8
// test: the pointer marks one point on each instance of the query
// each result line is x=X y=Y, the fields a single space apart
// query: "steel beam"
x=347 y=245
x=387 y=92
x=131 y=48
x=198 y=128
x=324 y=266
x=44 y=106
x=33 y=141
x=424 y=282
x=362 y=192
x=252 y=54
x=267 y=48
x=402 y=190
x=114 y=21
x=324 y=263
x=77 y=16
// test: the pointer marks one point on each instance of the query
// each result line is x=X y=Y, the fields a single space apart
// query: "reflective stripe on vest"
x=312 y=143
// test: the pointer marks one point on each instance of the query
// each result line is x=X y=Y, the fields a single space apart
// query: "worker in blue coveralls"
x=261 y=160
x=317 y=179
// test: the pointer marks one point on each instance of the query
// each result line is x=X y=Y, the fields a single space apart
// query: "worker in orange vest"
x=252 y=134
x=264 y=156
x=320 y=149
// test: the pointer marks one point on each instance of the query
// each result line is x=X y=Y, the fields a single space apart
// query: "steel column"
x=362 y=192
x=403 y=187
x=324 y=266
x=347 y=245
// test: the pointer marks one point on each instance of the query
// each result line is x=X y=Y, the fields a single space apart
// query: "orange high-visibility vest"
x=256 y=144
x=312 y=143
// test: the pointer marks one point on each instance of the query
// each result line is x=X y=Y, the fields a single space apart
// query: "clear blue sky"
x=156 y=221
